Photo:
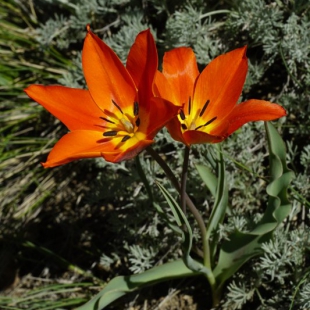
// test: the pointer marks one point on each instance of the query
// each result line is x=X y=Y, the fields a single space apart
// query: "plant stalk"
x=184 y=178
x=189 y=202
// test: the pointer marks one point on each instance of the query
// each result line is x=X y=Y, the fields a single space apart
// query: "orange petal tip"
x=44 y=165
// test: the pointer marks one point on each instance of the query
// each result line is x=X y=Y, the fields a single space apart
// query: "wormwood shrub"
x=276 y=33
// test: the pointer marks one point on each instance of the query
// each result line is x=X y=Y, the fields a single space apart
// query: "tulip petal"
x=174 y=129
x=129 y=153
x=81 y=144
x=253 y=110
x=180 y=71
x=221 y=83
x=77 y=144
x=198 y=137
x=142 y=64
x=159 y=113
x=74 y=107
x=107 y=78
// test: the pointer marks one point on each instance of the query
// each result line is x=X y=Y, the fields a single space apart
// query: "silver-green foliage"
x=280 y=270
x=277 y=35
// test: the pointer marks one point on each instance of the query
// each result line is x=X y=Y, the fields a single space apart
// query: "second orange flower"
x=210 y=112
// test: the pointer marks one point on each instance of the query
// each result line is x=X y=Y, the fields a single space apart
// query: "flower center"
x=194 y=120
x=127 y=124
x=121 y=125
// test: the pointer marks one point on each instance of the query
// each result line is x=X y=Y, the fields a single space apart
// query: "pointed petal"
x=174 y=128
x=252 y=110
x=198 y=137
x=160 y=112
x=74 y=107
x=129 y=153
x=221 y=82
x=142 y=64
x=77 y=144
x=180 y=71
x=106 y=76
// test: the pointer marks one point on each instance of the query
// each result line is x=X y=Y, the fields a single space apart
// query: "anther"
x=135 y=108
x=125 y=138
x=184 y=127
x=107 y=120
x=117 y=106
x=111 y=133
x=189 y=105
x=182 y=115
x=210 y=121
x=138 y=122
x=207 y=123
x=204 y=108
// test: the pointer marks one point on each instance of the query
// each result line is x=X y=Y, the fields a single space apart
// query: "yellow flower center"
x=121 y=125
x=127 y=124
x=193 y=119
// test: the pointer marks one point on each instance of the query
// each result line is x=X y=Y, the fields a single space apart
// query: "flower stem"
x=186 y=198
x=184 y=178
x=143 y=178
x=195 y=212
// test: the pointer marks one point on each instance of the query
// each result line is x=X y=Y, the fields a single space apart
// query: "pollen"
x=121 y=123
x=110 y=133
x=207 y=123
x=182 y=115
x=135 y=108
x=125 y=138
x=204 y=108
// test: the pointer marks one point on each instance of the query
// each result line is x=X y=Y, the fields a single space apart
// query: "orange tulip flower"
x=210 y=112
x=118 y=116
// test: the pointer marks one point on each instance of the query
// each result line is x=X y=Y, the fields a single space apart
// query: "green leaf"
x=241 y=246
x=208 y=178
x=218 y=188
x=220 y=204
x=167 y=220
x=187 y=233
x=122 y=285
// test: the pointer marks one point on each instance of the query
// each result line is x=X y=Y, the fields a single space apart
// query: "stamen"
x=138 y=122
x=125 y=138
x=117 y=106
x=110 y=133
x=184 y=127
x=204 y=108
x=135 y=108
x=199 y=127
x=207 y=123
x=182 y=115
x=107 y=120
x=189 y=105
x=210 y=121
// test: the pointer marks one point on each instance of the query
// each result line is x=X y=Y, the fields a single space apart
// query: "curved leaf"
x=218 y=188
x=187 y=234
x=208 y=178
x=244 y=245
x=122 y=285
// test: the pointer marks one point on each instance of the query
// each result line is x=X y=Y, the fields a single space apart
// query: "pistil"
x=122 y=126
x=190 y=123
x=127 y=124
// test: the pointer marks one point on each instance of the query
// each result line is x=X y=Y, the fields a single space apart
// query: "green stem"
x=191 y=207
x=143 y=178
x=184 y=178
x=216 y=293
